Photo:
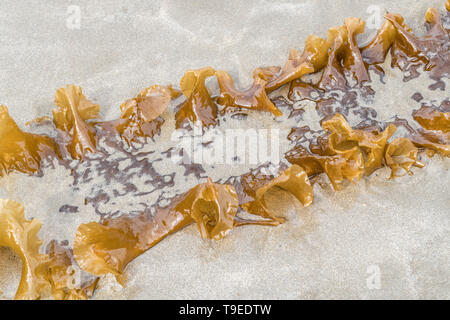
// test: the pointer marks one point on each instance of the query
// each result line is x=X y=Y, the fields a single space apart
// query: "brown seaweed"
x=21 y=151
x=344 y=57
x=312 y=59
x=435 y=134
x=409 y=52
x=41 y=273
x=61 y=274
x=254 y=98
x=344 y=138
x=199 y=107
x=71 y=115
x=377 y=49
x=141 y=115
x=108 y=246
x=342 y=153
x=400 y=154
x=293 y=180
x=345 y=154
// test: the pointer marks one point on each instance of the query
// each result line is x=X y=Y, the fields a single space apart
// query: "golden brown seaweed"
x=431 y=119
x=312 y=59
x=41 y=273
x=433 y=141
x=347 y=165
x=410 y=52
x=21 y=236
x=344 y=138
x=352 y=59
x=213 y=209
x=376 y=50
x=347 y=153
x=266 y=73
x=333 y=76
x=61 y=275
x=344 y=57
x=199 y=107
x=141 y=115
x=70 y=116
x=21 y=151
x=436 y=30
x=293 y=180
x=108 y=246
x=401 y=153
x=436 y=133
x=254 y=98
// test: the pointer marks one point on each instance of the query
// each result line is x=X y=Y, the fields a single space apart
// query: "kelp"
x=254 y=98
x=410 y=52
x=141 y=116
x=433 y=141
x=343 y=66
x=21 y=236
x=71 y=115
x=293 y=180
x=266 y=73
x=199 y=107
x=347 y=165
x=312 y=59
x=61 y=275
x=344 y=57
x=333 y=76
x=377 y=49
x=401 y=154
x=435 y=134
x=345 y=154
x=343 y=138
x=21 y=151
x=41 y=273
x=432 y=119
x=407 y=51
x=108 y=246
x=352 y=59
x=436 y=31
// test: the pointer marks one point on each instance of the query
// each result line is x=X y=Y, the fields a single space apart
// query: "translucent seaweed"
x=347 y=165
x=401 y=154
x=21 y=236
x=199 y=107
x=41 y=273
x=377 y=49
x=254 y=98
x=61 y=275
x=346 y=154
x=312 y=59
x=344 y=138
x=432 y=119
x=21 y=151
x=108 y=246
x=436 y=133
x=344 y=57
x=141 y=115
x=71 y=115
x=293 y=180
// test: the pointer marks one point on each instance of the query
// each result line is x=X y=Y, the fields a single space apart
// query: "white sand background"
x=397 y=232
